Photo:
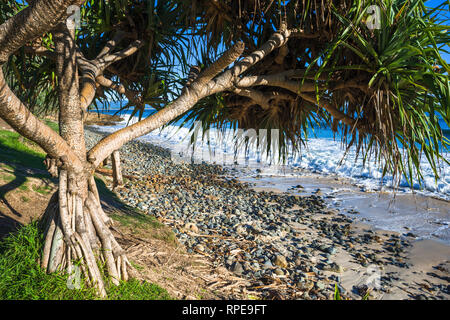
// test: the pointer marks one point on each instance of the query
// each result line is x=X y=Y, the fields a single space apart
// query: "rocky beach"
x=282 y=245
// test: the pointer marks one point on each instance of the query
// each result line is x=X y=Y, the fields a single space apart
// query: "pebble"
x=280 y=261
x=268 y=264
x=320 y=285
x=253 y=232
x=200 y=247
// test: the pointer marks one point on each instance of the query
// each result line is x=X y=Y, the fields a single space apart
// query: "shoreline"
x=423 y=255
x=283 y=246
x=384 y=210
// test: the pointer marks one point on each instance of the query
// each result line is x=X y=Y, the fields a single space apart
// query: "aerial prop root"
x=77 y=232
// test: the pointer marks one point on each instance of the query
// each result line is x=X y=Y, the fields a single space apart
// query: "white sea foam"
x=322 y=155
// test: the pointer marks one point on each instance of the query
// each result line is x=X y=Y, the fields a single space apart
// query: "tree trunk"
x=77 y=229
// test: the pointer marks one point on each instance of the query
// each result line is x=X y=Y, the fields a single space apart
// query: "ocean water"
x=413 y=210
x=323 y=154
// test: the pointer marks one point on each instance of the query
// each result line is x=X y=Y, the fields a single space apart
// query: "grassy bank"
x=21 y=276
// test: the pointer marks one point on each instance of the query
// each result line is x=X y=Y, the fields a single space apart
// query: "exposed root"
x=77 y=230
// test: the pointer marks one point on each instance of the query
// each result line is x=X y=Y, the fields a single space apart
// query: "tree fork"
x=77 y=227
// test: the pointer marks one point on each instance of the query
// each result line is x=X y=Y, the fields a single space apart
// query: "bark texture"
x=117 y=170
x=79 y=229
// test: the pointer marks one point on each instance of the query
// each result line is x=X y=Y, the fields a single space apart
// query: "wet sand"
x=428 y=260
x=422 y=216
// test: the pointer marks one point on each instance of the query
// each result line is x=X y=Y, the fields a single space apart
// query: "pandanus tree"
x=303 y=62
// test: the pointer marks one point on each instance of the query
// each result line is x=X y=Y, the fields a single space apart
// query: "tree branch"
x=199 y=90
x=119 y=88
x=92 y=69
x=278 y=39
x=16 y=114
x=257 y=96
x=39 y=17
x=219 y=65
x=276 y=80
x=283 y=52
x=338 y=115
x=300 y=33
x=40 y=51
x=106 y=60
x=88 y=72
x=111 y=44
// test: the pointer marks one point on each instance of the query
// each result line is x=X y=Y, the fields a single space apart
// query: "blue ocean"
x=423 y=209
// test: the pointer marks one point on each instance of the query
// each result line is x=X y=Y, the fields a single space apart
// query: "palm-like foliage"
x=400 y=81
x=407 y=84
x=152 y=73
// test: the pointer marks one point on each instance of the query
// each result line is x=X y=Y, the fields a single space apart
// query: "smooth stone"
x=191 y=227
x=279 y=272
x=237 y=268
x=320 y=285
x=280 y=261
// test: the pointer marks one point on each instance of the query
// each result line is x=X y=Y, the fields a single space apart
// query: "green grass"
x=44 y=190
x=53 y=125
x=23 y=279
x=141 y=223
x=15 y=152
x=5 y=166
x=136 y=266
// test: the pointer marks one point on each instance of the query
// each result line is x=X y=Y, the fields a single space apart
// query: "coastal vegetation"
x=24 y=279
x=20 y=251
x=263 y=65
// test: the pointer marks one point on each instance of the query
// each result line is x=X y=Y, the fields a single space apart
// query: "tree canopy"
x=382 y=89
